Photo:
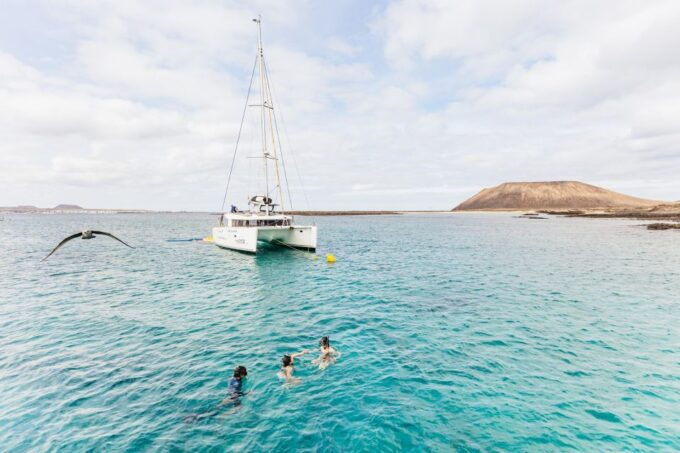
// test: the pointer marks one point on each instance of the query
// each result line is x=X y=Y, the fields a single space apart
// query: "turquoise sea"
x=471 y=332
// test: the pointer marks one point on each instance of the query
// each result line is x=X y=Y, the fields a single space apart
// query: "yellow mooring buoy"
x=330 y=258
x=208 y=239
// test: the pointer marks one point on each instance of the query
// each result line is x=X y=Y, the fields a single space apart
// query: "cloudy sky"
x=410 y=104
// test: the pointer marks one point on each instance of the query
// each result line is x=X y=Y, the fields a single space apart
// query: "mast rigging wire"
x=278 y=138
x=238 y=137
x=297 y=170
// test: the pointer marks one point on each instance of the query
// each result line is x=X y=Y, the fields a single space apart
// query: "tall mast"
x=266 y=102
x=260 y=56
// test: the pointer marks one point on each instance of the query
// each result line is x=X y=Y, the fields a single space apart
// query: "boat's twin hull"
x=245 y=239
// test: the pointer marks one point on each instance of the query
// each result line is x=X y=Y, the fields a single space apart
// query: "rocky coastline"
x=639 y=214
x=663 y=226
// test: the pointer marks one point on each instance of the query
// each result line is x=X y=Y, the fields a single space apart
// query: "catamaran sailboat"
x=264 y=220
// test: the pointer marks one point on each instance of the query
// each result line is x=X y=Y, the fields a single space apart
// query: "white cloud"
x=340 y=46
x=433 y=101
x=575 y=85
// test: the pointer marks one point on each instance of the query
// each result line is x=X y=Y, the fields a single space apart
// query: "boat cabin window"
x=273 y=222
x=245 y=223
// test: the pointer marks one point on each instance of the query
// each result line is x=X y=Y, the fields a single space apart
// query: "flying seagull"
x=87 y=234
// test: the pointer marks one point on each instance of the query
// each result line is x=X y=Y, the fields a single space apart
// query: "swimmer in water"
x=287 y=367
x=234 y=397
x=328 y=354
x=235 y=384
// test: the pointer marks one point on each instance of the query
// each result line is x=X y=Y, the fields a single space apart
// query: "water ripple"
x=485 y=334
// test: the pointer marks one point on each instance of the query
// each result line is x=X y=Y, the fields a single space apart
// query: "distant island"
x=71 y=207
x=569 y=198
x=558 y=195
x=65 y=209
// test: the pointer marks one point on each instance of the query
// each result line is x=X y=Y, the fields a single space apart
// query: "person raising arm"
x=288 y=366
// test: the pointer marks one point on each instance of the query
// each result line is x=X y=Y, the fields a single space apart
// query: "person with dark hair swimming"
x=234 y=397
x=235 y=384
x=287 y=366
x=328 y=354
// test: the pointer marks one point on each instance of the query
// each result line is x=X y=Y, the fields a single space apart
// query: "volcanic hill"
x=559 y=195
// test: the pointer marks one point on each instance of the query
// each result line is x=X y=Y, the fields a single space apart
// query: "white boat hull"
x=246 y=239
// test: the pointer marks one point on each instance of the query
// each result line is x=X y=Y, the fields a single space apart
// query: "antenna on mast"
x=258 y=21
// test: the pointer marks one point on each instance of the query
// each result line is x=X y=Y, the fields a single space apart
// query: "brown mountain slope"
x=550 y=195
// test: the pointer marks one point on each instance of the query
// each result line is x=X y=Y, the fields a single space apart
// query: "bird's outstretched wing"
x=64 y=241
x=110 y=235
